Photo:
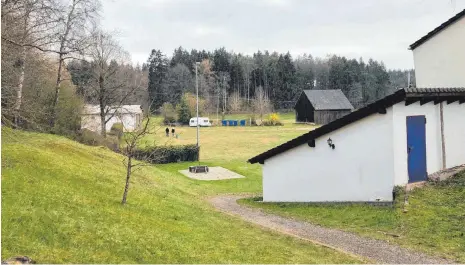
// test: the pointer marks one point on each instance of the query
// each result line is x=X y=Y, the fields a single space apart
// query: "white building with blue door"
x=396 y=140
x=364 y=155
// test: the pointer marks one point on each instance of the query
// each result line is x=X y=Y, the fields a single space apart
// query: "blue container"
x=242 y=122
x=224 y=122
x=235 y=123
x=230 y=122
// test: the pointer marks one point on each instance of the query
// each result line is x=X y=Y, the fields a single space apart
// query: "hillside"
x=61 y=204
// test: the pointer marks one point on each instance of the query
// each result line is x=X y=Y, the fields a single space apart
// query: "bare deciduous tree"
x=235 y=102
x=261 y=103
x=76 y=20
x=113 y=81
x=26 y=24
x=133 y=140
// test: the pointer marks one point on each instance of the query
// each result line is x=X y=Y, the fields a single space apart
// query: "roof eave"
x=437 y=30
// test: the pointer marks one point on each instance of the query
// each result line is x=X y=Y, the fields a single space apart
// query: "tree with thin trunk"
x=27 y=24
x=235 y=102
x=132 y=141
x=113 y=80
x=77 y=20
x=261 y=103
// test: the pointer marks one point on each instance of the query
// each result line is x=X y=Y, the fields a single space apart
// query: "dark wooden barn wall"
x=327 y=116
x=304 y=110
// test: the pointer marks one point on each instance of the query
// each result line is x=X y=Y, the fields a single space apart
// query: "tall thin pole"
x=408 y=79
x=218 y=103
x=443 y=140
x=197 y=92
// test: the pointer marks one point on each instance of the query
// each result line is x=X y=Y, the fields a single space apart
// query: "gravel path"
x=371 y=249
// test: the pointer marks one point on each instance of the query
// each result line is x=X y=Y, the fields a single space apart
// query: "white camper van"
x=203 y=122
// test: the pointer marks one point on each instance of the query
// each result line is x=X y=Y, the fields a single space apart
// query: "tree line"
x=55 y=58
x=230 y=81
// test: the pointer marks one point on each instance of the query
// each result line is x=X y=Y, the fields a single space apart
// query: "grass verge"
x=434 y=223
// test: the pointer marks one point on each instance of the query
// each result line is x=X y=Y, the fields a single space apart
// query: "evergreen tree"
x=179 y=80
x=221 y=60
x=181 y=56
x=184 y=114
x=158 y=69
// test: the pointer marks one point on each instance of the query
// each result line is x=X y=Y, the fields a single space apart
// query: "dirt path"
x=371 y=249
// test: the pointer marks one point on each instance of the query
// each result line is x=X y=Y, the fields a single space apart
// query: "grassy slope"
x=434 y=223
x=60 y=204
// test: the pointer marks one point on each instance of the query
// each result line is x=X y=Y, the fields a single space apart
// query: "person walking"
x=167 y=131
x=172 y=131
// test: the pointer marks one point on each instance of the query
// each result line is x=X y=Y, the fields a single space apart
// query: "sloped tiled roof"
x=434 y=90
x=95 y=109
x=328 y=99
x=437 y=29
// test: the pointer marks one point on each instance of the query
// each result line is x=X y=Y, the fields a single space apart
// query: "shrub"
x=88 y=137
x=168 y=153
x=68 y=114
x=169 y=113
x=273 y=120
x=117 y=130
x=397 y=191
x=191 y=101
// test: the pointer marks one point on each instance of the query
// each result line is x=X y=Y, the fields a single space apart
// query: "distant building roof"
x=95 y=109
x=437 y=29
x=328 y=99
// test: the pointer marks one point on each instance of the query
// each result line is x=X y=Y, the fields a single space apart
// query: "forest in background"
x=56 y=58
x=228 y=81
x=227 y=76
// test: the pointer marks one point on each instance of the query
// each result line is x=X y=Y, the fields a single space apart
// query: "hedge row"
x=168 y=154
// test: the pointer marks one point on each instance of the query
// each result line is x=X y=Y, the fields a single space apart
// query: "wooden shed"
x=321 y=106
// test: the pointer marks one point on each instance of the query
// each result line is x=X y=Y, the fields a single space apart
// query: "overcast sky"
x=381 y=29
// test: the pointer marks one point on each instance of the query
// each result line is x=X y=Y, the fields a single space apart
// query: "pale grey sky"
x=381 y=29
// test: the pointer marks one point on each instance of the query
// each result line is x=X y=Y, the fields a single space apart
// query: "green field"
x=61 y=204
x=229 y=143
x=434 y=222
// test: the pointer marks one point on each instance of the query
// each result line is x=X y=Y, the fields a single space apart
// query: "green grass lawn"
x=229 y=143
x=434 y=223
x=61 y=204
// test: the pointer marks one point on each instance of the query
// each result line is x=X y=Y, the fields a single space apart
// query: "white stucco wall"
x=433 y=138
x=360 y=168
x=369 y=159
x=454 y=132
x=440 y=61
x=92 y=122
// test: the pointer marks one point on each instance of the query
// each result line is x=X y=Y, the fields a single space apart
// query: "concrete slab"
x=446 y=173
x=214 y=173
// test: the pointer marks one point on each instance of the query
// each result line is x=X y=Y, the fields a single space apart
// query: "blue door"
x=416 y=148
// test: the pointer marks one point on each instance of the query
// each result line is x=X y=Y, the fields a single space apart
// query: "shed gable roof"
x=90 y=109
x=409 y=95
x=437 y=29
x=328 y=99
